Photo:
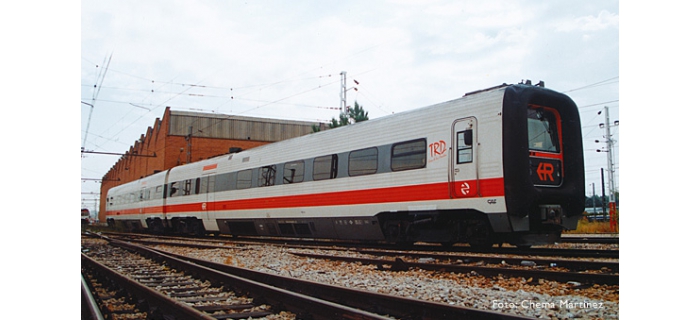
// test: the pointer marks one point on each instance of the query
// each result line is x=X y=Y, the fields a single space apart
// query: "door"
x=207 y=188
x=464 y=181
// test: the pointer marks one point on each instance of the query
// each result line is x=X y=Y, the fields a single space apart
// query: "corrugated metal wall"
x=235 y=127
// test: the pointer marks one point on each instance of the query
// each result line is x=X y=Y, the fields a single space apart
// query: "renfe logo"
x=545 y=172
x=465 y=188
x=437 y=150
x=545 y=169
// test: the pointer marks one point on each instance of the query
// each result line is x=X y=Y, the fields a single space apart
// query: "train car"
x=84 y=216
x=139 y=205
x=504 y=164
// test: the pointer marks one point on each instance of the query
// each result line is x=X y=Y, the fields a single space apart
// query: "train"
x=498 y=165
x=85 y=216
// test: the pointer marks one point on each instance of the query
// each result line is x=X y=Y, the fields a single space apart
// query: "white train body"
x=439 y=173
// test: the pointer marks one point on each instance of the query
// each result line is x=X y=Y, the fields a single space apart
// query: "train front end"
x=543 y=164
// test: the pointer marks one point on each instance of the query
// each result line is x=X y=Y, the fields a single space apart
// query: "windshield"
x=542 y=129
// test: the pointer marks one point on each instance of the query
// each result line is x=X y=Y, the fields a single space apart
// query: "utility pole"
x=595 y=206
x=610 y=142
x=343 y=92
x=189 y=145
x=602 y=180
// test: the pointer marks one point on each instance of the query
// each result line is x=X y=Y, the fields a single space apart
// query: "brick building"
x=183 y=137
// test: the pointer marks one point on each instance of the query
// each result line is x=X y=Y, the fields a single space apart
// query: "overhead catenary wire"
x=604 y=82
x=204 y=90
x=101 y=78
x=172 y=95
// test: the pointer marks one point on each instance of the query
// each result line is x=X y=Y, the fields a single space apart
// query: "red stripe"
x=426 y=192
x=209 y=167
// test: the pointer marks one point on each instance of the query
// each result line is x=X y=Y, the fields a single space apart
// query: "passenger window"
x=362 y=162
x=325 y=167
x=408 y=155
x=245 y=179
x=267 y=176
x=174 y=188
x=225 y=181
x=187 y=188
x=464 y=146
x=203 y=185
x=294 y=172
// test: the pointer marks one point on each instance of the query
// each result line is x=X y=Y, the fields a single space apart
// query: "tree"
x=596 y=201
x=350 y=116
x=358 y=114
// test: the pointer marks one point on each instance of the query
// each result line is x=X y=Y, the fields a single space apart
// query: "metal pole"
x=602 y=179
x=189 y=146
x=343 y=92
x=595 y=207
x=611 y=157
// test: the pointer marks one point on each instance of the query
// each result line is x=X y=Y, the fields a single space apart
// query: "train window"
x=408 y=155
x=174 y=188
x=542 y=130
x=267 y=176
x=325 y=167
x=245 y=179
x=187 y=187
x=294 y=172
x=362 y=162
x=197 y=184
x=465 y=151
x=158 y=193
x=225 y=181
x=208 y=186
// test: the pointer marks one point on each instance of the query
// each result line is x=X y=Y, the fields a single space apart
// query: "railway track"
x=329 y=302
x=500 y=267
x=583 y=272
x=174 y=288
x=296 y=243
x=575 y=238
x=89 y=308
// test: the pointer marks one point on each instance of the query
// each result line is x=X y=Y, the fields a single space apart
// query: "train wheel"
x=480 y=235
x=155 y=226
x=197 y=228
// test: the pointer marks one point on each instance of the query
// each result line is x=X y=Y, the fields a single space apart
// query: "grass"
x=585 y=226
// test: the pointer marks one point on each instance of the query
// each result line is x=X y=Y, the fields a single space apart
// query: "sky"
x=282 y=59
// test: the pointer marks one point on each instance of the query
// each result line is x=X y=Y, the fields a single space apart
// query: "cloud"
x=603 y=21
x=282 y=59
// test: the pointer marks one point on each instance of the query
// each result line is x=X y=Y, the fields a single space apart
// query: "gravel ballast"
x=541 y=299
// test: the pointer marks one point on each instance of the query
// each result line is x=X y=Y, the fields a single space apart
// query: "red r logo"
x=544 y=170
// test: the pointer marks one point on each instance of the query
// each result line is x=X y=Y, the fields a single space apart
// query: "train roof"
x=309 y=139
x=349 y=129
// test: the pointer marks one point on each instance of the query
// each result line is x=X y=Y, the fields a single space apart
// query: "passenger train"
x=499 y=165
